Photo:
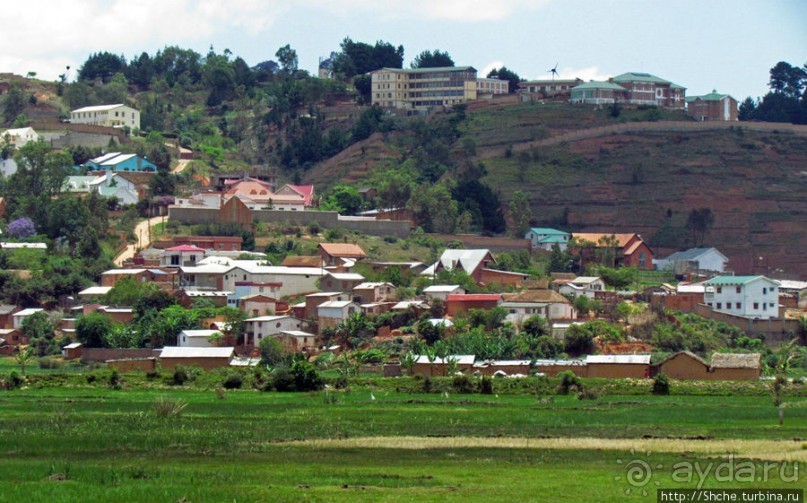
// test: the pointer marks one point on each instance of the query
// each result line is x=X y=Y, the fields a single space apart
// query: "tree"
x=272 y=352
x=24 y=357
x=520 y=213
x=787 y=80
x=40 y=330
x=434 y=209
x=93 y=329
x=510 y=76
x=345 y=199
x=40 y=177
x=353 y=329
x=579 y=341
x=535 y=325
x=102 y=65
x=287 y=57
x=21 y=228
x=358 y=58
x=559 y=260
x=699 y=222
x=15 y=103
x=780 y=378
x=429 y=59
x=747 y=109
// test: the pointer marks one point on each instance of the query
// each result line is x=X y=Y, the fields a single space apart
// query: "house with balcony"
x=181 y=256
x=748 y=296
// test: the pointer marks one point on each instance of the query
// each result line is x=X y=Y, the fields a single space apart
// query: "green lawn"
x=85 y=444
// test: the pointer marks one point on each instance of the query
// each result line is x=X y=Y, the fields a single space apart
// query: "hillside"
x=646 y=179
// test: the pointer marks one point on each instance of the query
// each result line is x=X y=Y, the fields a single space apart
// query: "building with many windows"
x=421 y=89
x=118 y=115
x=749 y=296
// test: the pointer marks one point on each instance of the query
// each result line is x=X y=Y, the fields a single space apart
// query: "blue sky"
x=727 y=45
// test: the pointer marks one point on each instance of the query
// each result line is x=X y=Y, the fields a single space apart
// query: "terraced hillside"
x=642 y=176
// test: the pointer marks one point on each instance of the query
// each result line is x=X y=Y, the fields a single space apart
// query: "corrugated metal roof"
x=734 y=280
x=619 y=359
x=461 y=359
x=98 y=108
x=187 y=352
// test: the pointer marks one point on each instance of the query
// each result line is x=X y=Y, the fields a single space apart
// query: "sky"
x=727 y=45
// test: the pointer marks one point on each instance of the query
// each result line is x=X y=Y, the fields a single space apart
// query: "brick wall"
x=105 y=354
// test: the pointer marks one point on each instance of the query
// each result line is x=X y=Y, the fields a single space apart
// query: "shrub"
x=49 y=363
x=340 y=382
x=14 y=380
x=486 y=385
x=233 y=381
x=661 y=385
x=280 y=380
x=169 y=407
x=462 y=384
x=115 y=380
x=427 y=384
x=21 y=228
x=568 y=380
x=306 y=377
x=587 y=394
x=180 y=376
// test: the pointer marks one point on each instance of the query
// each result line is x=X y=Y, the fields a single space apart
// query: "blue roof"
x=692 y=254
x=553 y=239
x=548 y=231
x=734 y=280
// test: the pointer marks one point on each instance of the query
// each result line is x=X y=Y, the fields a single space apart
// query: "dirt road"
x=142 y=232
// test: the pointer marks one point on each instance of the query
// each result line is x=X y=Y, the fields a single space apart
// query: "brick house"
x=712 y=107
x=337 y=254
x=629 y=250
x=457 y=304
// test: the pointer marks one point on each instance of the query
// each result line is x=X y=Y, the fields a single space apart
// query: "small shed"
x=72 y=351
x=736 y=366
x=618 y=366
x=204 y=358
x=684 y=365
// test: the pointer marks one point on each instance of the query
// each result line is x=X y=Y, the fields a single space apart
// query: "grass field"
x=86 y=444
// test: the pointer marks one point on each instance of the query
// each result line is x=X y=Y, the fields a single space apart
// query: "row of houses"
x=682 y=366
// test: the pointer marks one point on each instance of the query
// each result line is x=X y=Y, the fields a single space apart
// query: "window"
x=740 y=289
x=720 y=289
x=764 y=290
x=174 y=259
x=709 y=304
x=756 y=305
x=738 y=305
x=773 y=305
x=720 y=305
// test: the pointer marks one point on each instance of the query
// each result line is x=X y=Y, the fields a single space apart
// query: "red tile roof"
x=343 y=250
x=480 y=297
x=185 y=248
x=307 y=192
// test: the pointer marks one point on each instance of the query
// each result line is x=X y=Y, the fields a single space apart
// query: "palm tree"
x=408 y=362
x=24 y=357
x=780 y=378
x=352 y=328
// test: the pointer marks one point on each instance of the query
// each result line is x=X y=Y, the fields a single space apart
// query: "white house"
x=748 y=296
x=18 y=317
x=19 y=137
x=332 y=313
x=443 y=291
x=117 y=115
x=265 y=326
x=545 y=238
x=582 y=285
x=370 y=292
x=117 y=185
x=694 y=260
x=182 y=255
x=519 y=312
x=196 y=338
x=293 y=280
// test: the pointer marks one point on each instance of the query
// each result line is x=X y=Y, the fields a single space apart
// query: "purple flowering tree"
x=21 y=228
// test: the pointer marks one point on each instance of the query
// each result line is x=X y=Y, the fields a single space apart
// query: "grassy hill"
x=645 y=180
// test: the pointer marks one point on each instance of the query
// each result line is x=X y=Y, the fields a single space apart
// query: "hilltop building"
x=118 y=115
x=712 y=107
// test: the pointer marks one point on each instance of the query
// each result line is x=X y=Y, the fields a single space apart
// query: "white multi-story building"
x=749 y=296
x=118 y=115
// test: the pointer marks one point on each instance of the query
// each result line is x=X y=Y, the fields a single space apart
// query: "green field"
x=90 y=444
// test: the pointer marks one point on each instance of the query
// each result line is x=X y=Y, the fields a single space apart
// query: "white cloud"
x=490 y=66
x=469 y=11
x=46 y=32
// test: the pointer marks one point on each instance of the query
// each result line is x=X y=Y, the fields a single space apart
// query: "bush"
x=49 y=363
x=427 y=384
x=462 y=384
x=661 y=385
x=115 y=380
x=233 y=381
x=280 y=380
x=168 y=407
x=587 y=394
x=14 y=380
x=306 y=377
x=568 y=380
x=180 y=376
x=486 y=385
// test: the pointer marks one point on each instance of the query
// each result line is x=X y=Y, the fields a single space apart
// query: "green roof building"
x=712 y=107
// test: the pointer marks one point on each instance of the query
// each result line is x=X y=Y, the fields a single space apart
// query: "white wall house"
x=19 y=137
x=19 y=317
x=293 y=280
x=582 y=285
x=114 y=185
x=443 y=291
x=749 y=296
x=255 y=329
x=118 y=115
x=196 y=338
x=694 y=260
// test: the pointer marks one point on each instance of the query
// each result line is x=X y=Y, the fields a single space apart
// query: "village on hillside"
x=191 y=287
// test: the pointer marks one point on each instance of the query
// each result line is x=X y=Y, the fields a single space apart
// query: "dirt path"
x=181 y=165
x=791 y=450
x=141 y=230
